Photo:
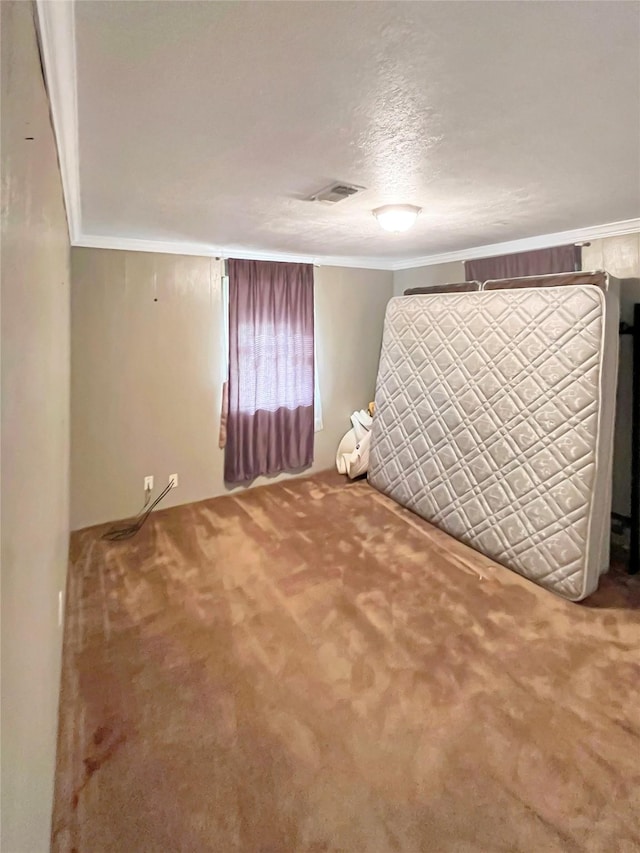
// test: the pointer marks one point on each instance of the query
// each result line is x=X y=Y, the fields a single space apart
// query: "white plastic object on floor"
x=358 y=462
x=361 y=422
x=352 y=457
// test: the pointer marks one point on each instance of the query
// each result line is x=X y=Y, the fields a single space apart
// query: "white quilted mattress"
x=494 y=421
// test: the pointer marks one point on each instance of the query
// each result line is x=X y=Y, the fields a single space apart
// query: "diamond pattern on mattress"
x=486 y=423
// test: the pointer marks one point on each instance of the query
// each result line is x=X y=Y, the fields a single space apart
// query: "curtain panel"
x=270 y=419
x=538 y=262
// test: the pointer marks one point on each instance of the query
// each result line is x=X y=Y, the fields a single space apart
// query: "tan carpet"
x=308 y=667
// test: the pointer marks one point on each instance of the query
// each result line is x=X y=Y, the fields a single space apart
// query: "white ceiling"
x=210 y=123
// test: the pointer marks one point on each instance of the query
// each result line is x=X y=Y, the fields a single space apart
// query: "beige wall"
x=35 y=437
x=146 y=375
x=620 y=256
x=427 y=276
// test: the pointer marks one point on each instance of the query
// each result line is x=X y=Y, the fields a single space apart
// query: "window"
x=271 y=384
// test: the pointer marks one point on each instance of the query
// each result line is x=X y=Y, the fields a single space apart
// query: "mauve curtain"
x=270 y=423
x=538 y=262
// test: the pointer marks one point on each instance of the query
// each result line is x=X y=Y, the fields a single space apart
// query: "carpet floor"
x=309 y=668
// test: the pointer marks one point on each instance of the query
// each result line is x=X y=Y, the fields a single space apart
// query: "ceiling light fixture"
x=396 y=217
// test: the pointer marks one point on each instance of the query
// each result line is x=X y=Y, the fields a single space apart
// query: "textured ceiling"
x=211 y=122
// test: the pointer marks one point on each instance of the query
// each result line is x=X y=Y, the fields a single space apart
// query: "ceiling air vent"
x=335 y=193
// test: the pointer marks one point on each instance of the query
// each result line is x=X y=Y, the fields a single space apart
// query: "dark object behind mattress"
x=599 y=279
x=461 y=287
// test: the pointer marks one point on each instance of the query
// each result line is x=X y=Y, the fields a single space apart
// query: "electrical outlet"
x=148 y=484
x=173 y=479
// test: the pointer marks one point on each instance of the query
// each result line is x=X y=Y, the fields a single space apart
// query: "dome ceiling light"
x=396 y=217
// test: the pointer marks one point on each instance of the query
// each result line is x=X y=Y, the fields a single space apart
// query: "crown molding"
x=544 y=241
x=167 y=247
x=527 y=244
x=56 y=26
